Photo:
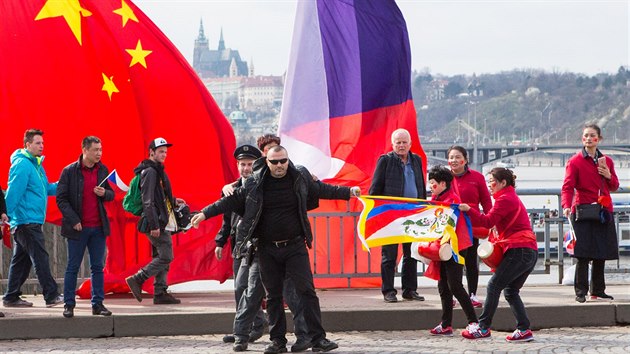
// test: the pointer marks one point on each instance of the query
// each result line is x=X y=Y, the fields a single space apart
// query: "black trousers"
x=598 y=285
x=449 y=285
x=472 y=267
x=409 y=276
x=292 y=261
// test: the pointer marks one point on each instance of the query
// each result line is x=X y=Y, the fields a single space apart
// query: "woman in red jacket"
x=590 y=177
x=451 y=272
x=472 y=190
x=520 y=252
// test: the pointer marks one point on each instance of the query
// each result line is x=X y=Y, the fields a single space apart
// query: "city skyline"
x=447 y=37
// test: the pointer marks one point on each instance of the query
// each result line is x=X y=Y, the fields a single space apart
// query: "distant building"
x=246 y=93
x=222 y=62
x=436 y=90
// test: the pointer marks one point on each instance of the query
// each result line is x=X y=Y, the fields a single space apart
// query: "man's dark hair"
x=30 y=134
x=441 y=173
x=89 y=140
x=277 y=148
x=266 y=140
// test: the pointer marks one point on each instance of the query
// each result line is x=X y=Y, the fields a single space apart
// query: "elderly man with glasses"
x=274 y=206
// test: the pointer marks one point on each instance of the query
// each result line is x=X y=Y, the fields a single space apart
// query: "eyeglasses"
x=281 y=161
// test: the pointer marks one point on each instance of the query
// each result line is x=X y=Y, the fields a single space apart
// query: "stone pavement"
x=556 y=340
x=548 y=306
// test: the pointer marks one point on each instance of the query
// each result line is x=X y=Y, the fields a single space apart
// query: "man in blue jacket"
x=26 y=199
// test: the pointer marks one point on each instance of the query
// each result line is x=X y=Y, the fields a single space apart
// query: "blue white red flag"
x=348 y=88
x=115 y=179
x=393 y=220
x=569 y=242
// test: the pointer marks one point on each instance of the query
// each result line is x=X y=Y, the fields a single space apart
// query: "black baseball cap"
x=158 y=142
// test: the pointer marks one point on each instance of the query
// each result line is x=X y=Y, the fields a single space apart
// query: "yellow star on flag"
x=138 y=55
x=108 y=86
x=71 y=11
x=126 y=13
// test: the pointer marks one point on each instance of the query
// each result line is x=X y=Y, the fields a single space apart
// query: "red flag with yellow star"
x=75 y=68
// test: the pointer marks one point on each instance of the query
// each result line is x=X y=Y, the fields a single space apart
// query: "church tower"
x=201 y=44
x=251 y=67
x=221 y=42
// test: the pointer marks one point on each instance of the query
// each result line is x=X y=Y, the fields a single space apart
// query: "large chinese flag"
x=101 y=67
x=348 y=88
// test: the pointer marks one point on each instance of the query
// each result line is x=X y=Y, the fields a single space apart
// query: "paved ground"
x=557 y=340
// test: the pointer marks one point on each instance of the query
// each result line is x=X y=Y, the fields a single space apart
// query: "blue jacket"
x=28 y=189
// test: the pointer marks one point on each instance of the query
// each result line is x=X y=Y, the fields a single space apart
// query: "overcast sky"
x=448 y=37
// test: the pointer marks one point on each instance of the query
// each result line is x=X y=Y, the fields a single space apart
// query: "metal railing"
x=330 y=259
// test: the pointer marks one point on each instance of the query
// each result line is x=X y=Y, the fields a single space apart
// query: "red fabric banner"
x=101 y=67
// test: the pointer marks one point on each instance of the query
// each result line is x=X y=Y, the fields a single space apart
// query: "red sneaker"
x=473 y=331
x=475 y=301
x=520 y=336
x=442 y=331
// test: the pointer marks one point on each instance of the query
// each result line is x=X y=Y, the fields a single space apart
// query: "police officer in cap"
x=245 y=156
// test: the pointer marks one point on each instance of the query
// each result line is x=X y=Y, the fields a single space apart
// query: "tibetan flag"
x=393 y=220
x=115 y=179
x=75 y=68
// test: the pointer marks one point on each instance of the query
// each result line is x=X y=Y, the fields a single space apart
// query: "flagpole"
x=114 y=170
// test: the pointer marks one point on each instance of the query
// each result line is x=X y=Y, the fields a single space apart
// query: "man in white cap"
x=157 y=221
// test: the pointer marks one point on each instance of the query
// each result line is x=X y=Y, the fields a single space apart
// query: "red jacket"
x=510 y=218
x=463 y=238
x=472 y=189
x=583 y=183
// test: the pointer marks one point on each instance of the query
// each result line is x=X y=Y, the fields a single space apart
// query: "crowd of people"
x=265 y=224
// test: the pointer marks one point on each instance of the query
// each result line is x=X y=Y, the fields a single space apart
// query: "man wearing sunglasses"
x=274 y=207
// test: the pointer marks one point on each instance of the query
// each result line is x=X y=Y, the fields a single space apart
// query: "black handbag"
x=588 y=212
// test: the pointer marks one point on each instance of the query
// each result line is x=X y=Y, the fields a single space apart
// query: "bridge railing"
x=337 y=263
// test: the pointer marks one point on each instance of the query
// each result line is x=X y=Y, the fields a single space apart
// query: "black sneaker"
x=228 y=338
x=239 y=346
x=101 y=310
x=601 y=296
x=17 y=303
x=275 y=347
x=255 y=335
x=68 y=311
x=165 y=299
x=301 y=345
x=135 y=286
x=324 y=345
x=580 y=298
x=413 y=296
x=390 y=297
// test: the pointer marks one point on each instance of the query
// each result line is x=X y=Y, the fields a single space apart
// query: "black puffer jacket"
x=248 y=200
x=154 y=193
x=70 y=198
x=389 y=176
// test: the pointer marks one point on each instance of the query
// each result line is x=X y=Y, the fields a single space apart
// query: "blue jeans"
x=29 y=250
x=249 y=294
x=511 y=274
x=93 y=239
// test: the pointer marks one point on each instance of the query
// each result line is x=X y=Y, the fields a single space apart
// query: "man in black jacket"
x=245 y=156
x=399 y=174
x=274 y=207
x=158 y=215
x=81 y=191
